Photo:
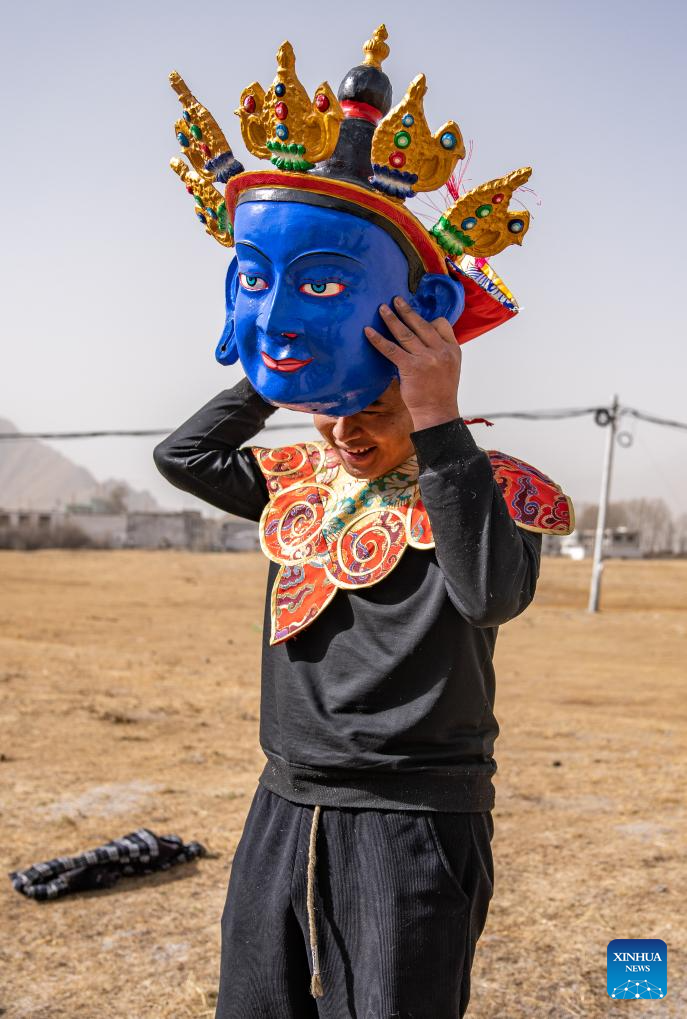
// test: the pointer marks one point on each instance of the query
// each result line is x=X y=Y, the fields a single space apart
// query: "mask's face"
x=305 y=282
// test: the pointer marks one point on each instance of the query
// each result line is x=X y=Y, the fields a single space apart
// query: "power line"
x=120 y=433
x=601 y=415
x=538 y=415
x=82 y=435
x=652 y=419
x=153 y=433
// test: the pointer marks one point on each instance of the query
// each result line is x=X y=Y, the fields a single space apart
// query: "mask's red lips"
x=286 y=364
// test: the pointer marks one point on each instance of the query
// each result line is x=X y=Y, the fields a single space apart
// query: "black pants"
x=401 y=899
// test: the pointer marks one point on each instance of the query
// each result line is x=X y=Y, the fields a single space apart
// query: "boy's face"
x=373 y=441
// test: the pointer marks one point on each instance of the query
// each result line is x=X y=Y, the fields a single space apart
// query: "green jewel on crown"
x=450 y=237
x=282 y=153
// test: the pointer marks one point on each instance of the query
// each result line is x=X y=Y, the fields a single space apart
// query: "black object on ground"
x=141 y=852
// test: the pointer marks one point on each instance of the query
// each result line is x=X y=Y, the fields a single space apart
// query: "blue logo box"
x=637 y=968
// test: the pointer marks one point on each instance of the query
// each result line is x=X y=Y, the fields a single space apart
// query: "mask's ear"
x=226 y=351
x=439 y=296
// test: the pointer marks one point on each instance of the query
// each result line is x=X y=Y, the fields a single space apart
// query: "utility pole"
x=608 y=418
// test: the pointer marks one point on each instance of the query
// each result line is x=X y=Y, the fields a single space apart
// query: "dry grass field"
x=129 y=697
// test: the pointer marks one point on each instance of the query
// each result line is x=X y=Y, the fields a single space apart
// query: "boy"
x=368 y=840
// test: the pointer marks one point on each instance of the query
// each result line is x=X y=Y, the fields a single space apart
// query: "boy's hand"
x=428 y=359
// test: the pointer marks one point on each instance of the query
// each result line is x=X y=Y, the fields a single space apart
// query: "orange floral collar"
x=328 y=530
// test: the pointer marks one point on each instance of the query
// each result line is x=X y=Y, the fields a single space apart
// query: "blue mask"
x=305 y=282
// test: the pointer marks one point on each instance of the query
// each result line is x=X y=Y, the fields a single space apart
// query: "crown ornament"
x=375 y=49
x=201 y=138
x=355 y=151
x=283 y=124
x=203 y=143
x=211 y=208
x=406 y=156
x=479 y=223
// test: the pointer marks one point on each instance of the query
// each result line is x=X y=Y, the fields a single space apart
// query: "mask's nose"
x=280 y=321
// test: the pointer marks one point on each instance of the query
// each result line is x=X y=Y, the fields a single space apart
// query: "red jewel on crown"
x=281 y=111
x=249 y=104
x=321 y=102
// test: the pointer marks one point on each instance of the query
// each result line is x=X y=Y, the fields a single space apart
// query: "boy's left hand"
x=428 y=359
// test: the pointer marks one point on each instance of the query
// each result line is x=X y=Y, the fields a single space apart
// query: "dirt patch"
x=129 y=696
x=101 y=800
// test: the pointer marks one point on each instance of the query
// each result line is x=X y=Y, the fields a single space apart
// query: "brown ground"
x=129 y=686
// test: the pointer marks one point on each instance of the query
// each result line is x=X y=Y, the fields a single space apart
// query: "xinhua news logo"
x=637 y=968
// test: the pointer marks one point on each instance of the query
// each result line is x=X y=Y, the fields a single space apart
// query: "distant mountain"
x=34 y=476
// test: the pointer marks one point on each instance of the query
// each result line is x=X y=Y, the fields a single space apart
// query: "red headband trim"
x=428 y=252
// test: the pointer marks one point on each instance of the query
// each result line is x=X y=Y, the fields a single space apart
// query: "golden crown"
x=479 y=223
x=312 y=131
x=402 y=156
x=201 y=138
x=406 y=156
x=211 y=208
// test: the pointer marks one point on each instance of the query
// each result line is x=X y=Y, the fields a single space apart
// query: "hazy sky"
x=113 y=295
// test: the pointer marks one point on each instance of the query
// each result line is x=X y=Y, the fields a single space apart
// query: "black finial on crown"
x=365 y=94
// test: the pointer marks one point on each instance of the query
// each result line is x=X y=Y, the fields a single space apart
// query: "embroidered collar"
x=329 y=530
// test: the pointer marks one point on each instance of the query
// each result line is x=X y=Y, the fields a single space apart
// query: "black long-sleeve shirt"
x=386 y=700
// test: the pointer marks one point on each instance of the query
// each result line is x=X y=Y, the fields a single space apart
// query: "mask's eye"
x=252 y=283
x=322 y=289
